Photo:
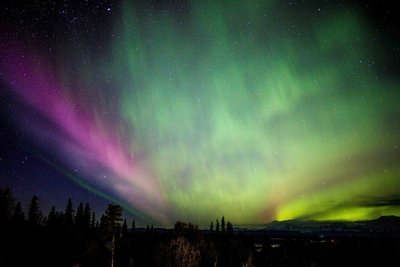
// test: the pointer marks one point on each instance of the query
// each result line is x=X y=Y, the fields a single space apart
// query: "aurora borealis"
x=258 y=111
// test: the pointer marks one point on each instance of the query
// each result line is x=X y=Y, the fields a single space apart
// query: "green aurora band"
x=259 y=113
x=253 y=110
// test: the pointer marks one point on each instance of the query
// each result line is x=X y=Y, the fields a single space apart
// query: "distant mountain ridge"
x=384 y=223
x=386 y=220
x=389 y=223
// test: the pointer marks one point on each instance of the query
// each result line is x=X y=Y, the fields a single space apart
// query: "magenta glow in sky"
x=258 y=111
x=91 y=146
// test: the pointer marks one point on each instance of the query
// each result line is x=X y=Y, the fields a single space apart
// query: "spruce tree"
x=93 y=221
x=79 y=217
x=86 y=216
x=34 y=213
x=217 y=229
x=69 y=214
x=52 y=218
x=113 y=217
x=18 y=216
x=6 y=205
x=229 y=228
x=133 y=226
x=125 y=229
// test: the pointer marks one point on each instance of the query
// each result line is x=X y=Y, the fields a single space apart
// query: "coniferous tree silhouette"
x=6 y=205
x=69 y=214
x=124 y=230
x=18 y=216
x=223 y=225
x=103 y=224
x=79 y=217
x=52 y=219
x=217 y=228
x=229 y=228
x=133 y=227
x=113 y=218
x=211 y=227
x=86 y=217
x=93 y=221
x=34 y=213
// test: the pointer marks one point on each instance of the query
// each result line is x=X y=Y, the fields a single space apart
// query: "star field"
x=187 y=110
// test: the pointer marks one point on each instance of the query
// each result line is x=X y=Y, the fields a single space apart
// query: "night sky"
x=190 y=110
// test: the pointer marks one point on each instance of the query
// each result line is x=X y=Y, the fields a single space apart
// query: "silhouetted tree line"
x=222 y=229
x=76 y=237
x=73 y=237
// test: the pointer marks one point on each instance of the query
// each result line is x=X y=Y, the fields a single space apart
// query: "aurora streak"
x=255 y=112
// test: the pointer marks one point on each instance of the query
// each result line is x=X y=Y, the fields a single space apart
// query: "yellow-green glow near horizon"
x=255 y=110
x=239 y=114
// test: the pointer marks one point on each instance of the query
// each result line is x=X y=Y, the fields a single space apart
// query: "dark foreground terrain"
x=76 y=238
x=190 y=247
x=187 y=246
